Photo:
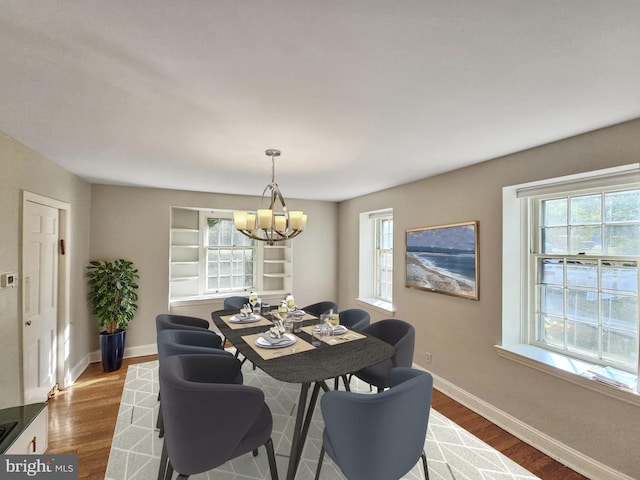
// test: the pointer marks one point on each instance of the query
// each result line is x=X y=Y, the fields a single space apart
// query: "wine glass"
x=334 y=319
x=253 y=300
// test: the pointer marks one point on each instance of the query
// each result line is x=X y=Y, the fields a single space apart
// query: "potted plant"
x=113 y=297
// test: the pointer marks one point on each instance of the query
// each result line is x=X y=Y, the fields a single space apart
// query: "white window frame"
x=369 y=275
x=204 y=217
x=517 y=298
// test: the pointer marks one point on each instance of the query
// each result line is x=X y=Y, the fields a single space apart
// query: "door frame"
x=63 y=378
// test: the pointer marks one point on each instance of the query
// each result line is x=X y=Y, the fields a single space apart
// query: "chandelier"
x=267 y=224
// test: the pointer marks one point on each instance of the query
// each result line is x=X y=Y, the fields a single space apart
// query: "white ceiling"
x=359 y=95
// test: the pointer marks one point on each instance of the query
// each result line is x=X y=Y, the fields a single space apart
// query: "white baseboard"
x=139 y=351
x=75 y=371
x=560 y=452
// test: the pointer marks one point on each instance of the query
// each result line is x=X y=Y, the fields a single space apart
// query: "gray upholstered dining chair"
x=235 y=303
x=319 y=308
x=390 y=446
x=208 y=419
x=355 y=318
x=399 y=334
x=182 y=322
x=181 y=342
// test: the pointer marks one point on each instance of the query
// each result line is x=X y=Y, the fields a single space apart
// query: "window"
x=571 y=248
x=376 y=258
x=230 y=256
x=585 y=275
x=383 y=268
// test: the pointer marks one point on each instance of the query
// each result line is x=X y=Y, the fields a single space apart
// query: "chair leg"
x=347 y=381
x=424 y=464
x=319 y=463
x=162 y=471
x=169 y=473
x=271 y=456
x=160 y=422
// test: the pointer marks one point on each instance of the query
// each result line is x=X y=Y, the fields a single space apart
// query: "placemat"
x=269 y=353
x=236 y=326
x=348 y=336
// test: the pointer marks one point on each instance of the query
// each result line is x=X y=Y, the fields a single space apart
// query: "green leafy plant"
x=113 y=293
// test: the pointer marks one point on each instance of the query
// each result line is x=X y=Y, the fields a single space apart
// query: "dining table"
x=303 y=363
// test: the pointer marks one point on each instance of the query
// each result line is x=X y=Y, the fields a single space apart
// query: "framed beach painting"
x=443 y=259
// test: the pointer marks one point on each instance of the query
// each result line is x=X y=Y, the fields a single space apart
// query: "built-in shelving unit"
x=185 y=251
x=276 y=267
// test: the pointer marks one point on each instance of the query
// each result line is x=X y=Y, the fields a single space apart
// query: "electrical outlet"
x=7 y=279
x=427 y=357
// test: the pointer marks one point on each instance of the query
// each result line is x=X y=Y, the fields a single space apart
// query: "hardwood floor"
x=83 y=417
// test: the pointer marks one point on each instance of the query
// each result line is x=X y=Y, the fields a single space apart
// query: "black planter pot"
x=112 y=348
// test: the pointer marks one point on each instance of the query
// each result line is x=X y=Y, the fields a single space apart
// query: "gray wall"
x=460 y=333
x=23 y=169
x=133 y=223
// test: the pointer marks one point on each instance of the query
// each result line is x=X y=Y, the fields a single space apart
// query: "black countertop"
x=22 y=416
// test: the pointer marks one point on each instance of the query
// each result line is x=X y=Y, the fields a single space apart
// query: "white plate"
x=261 y=342
x=239 y=319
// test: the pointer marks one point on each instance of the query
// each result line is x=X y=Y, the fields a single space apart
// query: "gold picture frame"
x=443 y=259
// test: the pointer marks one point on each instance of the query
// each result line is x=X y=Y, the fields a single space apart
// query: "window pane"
x=622 y=239
x=213 y=231
x=582 y=305
x=554 y=212
x=551 y=331
x=554 y=240
x=582 y=338
x=620 y=311
x=582 y=274
x=585 y=209
x=586 y=240
x=551 y=272
x=620 y=276
x=620 y=346
x=551 y=301
x=212 y=283
x=213 y=269
x=622 y=206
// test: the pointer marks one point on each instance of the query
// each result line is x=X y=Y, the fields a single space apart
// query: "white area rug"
x=452 y=453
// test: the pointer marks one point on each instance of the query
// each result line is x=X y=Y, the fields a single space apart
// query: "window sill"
x=385 y=308
x=208 y=299
x=565 y=368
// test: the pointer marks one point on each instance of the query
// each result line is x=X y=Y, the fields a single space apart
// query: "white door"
x=40 y=299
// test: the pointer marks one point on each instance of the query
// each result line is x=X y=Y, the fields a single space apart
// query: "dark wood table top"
x=321 y=363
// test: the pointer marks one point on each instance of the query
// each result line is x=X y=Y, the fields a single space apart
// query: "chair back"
x=402 y=336
x=183 y=322
x=391 y=445
x=235 y=303
x=319 y=308
x=399 y=334
x=199 y=436
x=354 y=318
x=179 y=342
